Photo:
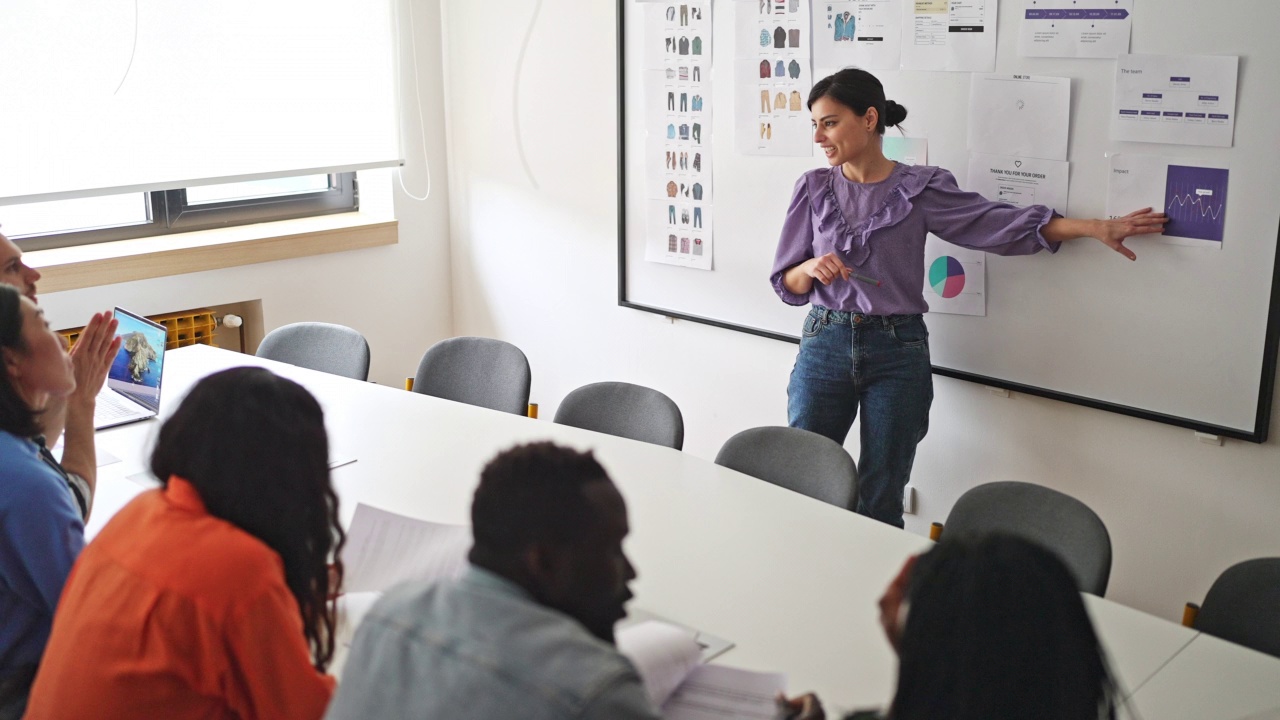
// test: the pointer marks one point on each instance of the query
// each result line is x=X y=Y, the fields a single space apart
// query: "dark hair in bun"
x=859 y=90
x=894 y=114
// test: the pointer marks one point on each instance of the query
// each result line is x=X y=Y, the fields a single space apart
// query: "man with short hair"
x=15 y=272
x=527 y=631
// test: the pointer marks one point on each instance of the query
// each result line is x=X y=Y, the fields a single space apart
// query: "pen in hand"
x=864 y=278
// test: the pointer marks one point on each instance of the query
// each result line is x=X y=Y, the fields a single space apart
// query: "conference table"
x=791 y=581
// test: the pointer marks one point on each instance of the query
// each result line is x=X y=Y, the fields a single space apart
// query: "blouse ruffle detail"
x=850 y=238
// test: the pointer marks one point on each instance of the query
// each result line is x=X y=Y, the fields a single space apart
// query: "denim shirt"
x=41 y=535
x=482 y=648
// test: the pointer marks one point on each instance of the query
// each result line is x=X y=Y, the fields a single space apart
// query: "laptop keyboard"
x=111 y=407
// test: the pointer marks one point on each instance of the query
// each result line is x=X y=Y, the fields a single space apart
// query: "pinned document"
x=1177 y=99
x=1193 y=195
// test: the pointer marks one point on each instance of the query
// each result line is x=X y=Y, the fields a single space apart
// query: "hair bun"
x=894 y=113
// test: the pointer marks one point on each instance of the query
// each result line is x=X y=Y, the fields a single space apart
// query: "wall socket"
x=909 y=500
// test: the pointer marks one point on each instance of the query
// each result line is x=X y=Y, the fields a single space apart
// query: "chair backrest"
x=1055 y=520
x=799 y=460
x=477 y=371
x=335 y=349
x=1243 y=605
x=624 y=410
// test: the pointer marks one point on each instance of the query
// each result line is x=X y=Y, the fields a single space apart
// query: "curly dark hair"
x=996 y=628
x=532 y=493
x=254 y=446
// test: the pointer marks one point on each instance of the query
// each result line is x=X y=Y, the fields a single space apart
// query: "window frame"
x=170 y=214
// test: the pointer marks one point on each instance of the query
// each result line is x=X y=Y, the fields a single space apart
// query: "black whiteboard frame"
x=1266 y=387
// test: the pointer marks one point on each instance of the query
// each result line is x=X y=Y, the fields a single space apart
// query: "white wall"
x=537 y=266
x=398 y=295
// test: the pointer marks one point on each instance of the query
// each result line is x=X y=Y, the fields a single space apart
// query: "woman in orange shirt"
x=210 y=597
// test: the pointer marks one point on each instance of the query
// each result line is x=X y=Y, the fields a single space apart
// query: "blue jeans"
x=881 y=364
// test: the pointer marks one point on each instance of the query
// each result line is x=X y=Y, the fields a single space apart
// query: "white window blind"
x=112 y=96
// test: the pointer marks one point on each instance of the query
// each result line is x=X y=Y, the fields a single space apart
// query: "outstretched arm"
x=1111 y=233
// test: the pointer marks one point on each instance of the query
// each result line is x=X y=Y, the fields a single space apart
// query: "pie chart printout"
x=946 y=276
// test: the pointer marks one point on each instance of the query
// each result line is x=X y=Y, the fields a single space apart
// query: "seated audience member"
x=13 y=271
x=209 y=597
x=994 y=628
x=527 y=631
x=43 y=503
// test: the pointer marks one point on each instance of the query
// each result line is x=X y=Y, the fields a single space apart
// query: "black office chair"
x=1057 y=521
x=478 y=371
x=624 y=410
x=335 y=349
x=1243 y=606
x=798 y=460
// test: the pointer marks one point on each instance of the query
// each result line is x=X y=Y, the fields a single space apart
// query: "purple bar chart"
x=1195 y=198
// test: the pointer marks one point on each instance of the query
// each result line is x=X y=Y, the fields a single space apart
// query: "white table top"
x=1212 y=679
x=791 y=580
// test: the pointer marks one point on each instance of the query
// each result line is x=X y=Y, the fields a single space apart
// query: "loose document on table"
x=1075 y=28
x=1177 y=99
x=670 y=663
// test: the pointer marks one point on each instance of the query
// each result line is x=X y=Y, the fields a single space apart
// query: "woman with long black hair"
x=212 y=596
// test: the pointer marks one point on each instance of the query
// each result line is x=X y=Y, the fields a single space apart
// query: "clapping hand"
x=92 y=355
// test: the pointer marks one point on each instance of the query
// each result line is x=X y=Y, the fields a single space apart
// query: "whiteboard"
x=1185 y=335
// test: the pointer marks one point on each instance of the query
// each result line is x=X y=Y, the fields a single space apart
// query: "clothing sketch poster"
x=772 y=76
x=679 y=234
x=678 y=110
x=1193 y=195
x=955 y=35
x=677 y=32
x=955 y=278
x=865 y=34
x=677 y=144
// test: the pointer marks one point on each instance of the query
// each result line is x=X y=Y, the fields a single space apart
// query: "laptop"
x=132 y=390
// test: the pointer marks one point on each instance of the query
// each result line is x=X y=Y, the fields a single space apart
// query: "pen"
x=864 y=278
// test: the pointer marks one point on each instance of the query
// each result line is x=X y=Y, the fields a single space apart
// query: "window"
x=62 y=223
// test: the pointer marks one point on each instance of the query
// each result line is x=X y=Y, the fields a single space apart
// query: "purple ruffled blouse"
x=878 y=230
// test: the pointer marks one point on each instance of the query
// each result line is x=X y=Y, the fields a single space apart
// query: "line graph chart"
x=1195 y=198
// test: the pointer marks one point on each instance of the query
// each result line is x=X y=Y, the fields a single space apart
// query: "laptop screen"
x=138 y=368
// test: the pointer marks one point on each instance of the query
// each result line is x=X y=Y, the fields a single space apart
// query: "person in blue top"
x=43 y=503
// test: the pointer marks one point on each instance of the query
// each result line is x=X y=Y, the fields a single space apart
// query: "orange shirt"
x=173 y=613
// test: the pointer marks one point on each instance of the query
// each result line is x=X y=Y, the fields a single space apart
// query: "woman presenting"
x=852 y=246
